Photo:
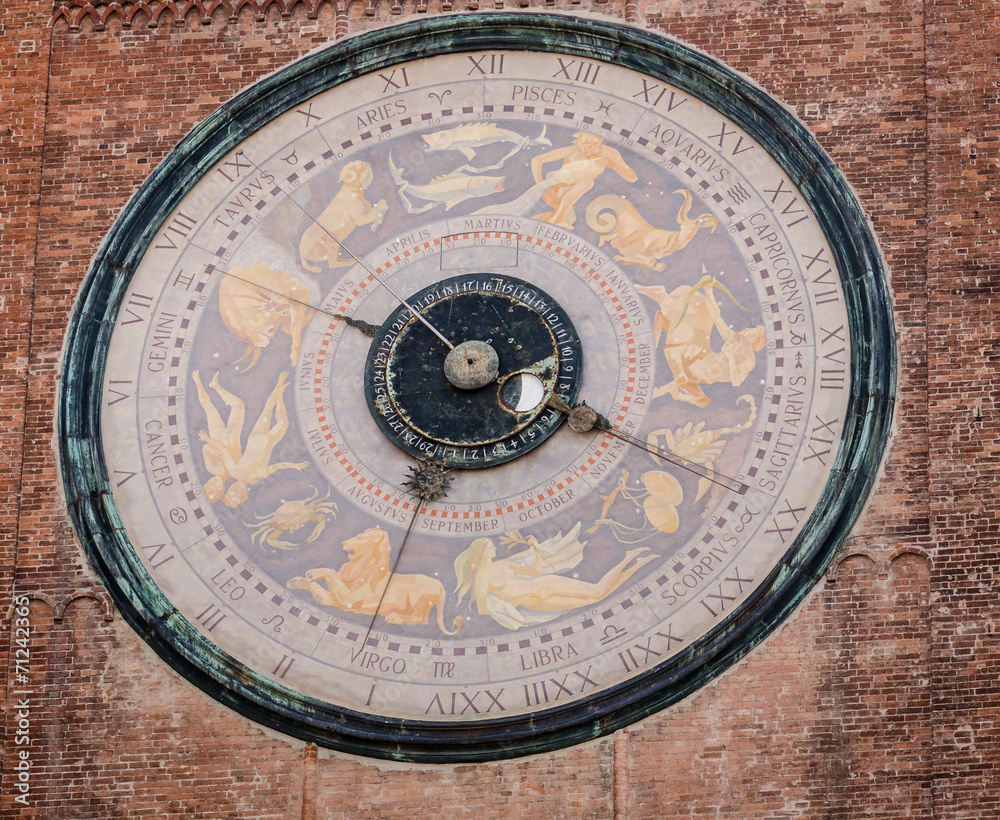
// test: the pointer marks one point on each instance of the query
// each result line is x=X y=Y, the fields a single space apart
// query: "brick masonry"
x=878 y=698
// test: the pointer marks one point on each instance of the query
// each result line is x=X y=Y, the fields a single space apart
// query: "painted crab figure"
x=291 y=516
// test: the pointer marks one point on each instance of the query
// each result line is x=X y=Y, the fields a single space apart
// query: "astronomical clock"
x=476 y=386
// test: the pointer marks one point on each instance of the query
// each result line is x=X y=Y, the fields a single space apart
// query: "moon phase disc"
x=422 y=407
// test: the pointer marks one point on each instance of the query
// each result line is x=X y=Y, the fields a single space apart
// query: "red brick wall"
x=963 y=334
x=24 y=49
x=879 y=698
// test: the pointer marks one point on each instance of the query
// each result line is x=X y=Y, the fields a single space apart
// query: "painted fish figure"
x=448 y=189
x=467 y=138
x=520 y=206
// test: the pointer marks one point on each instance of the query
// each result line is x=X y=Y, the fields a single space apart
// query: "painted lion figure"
x=364 y=584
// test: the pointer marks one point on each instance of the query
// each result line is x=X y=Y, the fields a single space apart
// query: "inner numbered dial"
x=705 y=317
x=528 y=481
x=479 y=394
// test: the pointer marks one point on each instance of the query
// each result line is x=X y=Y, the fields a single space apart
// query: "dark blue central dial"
x=422 y=412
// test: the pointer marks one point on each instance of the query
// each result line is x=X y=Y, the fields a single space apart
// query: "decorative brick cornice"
x=154 y=13
x=157 y=13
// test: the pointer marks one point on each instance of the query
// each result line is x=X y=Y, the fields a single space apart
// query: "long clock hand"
x=583 y=419
x=427 y=483
x=365 y=327
x=355 y=257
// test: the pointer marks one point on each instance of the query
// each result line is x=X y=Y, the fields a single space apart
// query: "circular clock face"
x=314 y=412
